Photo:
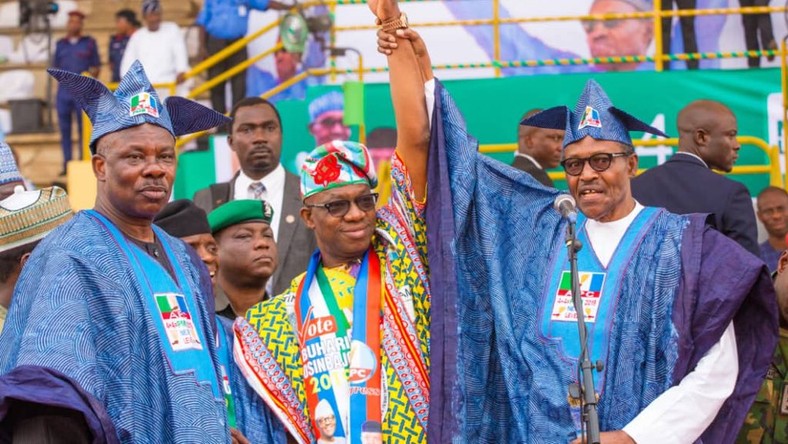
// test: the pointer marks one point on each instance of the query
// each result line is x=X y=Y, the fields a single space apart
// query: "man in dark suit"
x=686 y=184
x=537 y=150
x=256 y=137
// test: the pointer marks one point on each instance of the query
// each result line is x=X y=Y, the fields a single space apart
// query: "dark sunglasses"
x=339 y=208
x=598 y=162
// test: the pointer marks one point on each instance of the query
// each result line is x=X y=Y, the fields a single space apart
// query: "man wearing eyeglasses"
x=621 y=238
x=681 y=318
x=350 y=337
x=326 y=114
x=619 y=37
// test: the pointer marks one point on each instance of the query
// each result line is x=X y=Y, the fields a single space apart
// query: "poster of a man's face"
x=326 y=115
x=621 y=37
x=371 y=433
x=327 y=426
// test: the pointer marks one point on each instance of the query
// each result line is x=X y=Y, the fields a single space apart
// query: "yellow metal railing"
x=659 y=58
x=772 y=153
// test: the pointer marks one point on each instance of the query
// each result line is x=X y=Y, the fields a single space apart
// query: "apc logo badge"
x=144 y=103
x=590 y=118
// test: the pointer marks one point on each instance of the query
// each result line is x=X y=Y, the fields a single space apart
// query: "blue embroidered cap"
x=332 y=101
x=9 y=171
x=594 y=116
x=134 y=103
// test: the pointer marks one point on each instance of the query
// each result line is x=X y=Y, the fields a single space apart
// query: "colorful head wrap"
x=240 y=211
x=134 y=103
x=336 y=164
x=9 y=172
x=182 y=218
x=594 y=116
x=28 y=216
x=332 y=101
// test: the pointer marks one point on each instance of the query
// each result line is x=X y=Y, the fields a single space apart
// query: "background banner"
x=493 y=107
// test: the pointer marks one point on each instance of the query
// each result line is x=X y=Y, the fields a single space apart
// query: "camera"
x=28 y=9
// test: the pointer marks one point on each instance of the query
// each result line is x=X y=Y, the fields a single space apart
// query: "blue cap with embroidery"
x=594 y=116
x=332 y=101
x=134 y=103
x=9 y=171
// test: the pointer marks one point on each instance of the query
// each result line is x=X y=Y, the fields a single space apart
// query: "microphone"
x=565 y=204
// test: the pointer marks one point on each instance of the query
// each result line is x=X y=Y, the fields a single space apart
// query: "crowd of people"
x=307 y=308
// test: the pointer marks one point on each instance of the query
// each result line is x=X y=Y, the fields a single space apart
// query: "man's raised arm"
x=407 y=95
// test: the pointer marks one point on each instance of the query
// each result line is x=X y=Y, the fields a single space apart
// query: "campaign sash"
x=599 y=287
x=341 y=355
x=172 y=307
x=225 y=363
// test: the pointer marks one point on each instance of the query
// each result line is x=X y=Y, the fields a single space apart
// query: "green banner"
x=492 y=108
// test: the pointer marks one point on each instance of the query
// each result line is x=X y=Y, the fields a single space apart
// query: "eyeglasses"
x=339 y=208
x=589 y=25
x=330 y=122
x=599 y=162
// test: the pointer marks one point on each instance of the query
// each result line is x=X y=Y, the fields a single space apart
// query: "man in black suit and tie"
x=538 y=149
x=686 y=184
x=256 y=137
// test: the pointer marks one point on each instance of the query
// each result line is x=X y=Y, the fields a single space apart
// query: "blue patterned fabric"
x=594 y=116
x=134 y=103
x=9 y=172
x=78 y=310
x=492 y=236
x=253 y=417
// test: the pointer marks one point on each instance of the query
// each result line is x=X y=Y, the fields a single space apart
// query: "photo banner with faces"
x=529 y=41
x=492 y=109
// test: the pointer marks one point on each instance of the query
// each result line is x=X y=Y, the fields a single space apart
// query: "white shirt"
x=162 y=53
x=274 y=193
x=519 y=154
x=682 y=413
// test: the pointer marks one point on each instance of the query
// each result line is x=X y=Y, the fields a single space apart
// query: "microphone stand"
x=588 y=403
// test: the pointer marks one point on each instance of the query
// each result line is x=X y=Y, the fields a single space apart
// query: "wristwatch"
x=400 y=22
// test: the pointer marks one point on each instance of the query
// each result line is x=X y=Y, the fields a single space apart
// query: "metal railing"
x=496 y=21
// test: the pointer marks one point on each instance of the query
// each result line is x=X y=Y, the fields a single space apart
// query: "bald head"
x=708 y=129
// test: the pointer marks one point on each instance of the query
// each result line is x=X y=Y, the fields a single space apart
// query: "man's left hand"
x=181 y=77
x=616 y=437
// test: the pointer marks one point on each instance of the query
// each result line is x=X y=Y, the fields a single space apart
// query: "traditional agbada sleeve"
x=481 y=214
x=51 y=339
x=50 y=323
x=721 y=281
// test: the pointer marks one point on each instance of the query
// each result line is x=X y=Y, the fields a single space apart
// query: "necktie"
x=256 y=190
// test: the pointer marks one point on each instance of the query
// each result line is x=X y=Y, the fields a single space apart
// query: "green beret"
x=239 y=211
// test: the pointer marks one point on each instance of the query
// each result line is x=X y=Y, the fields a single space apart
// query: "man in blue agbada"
x=110 y=337
x=683 y=319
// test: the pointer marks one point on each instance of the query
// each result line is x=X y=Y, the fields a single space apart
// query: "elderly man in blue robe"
x=683 y=319
x=113 y=337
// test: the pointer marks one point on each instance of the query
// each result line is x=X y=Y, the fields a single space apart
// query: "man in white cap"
x=26 y=217
x=327 y=423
